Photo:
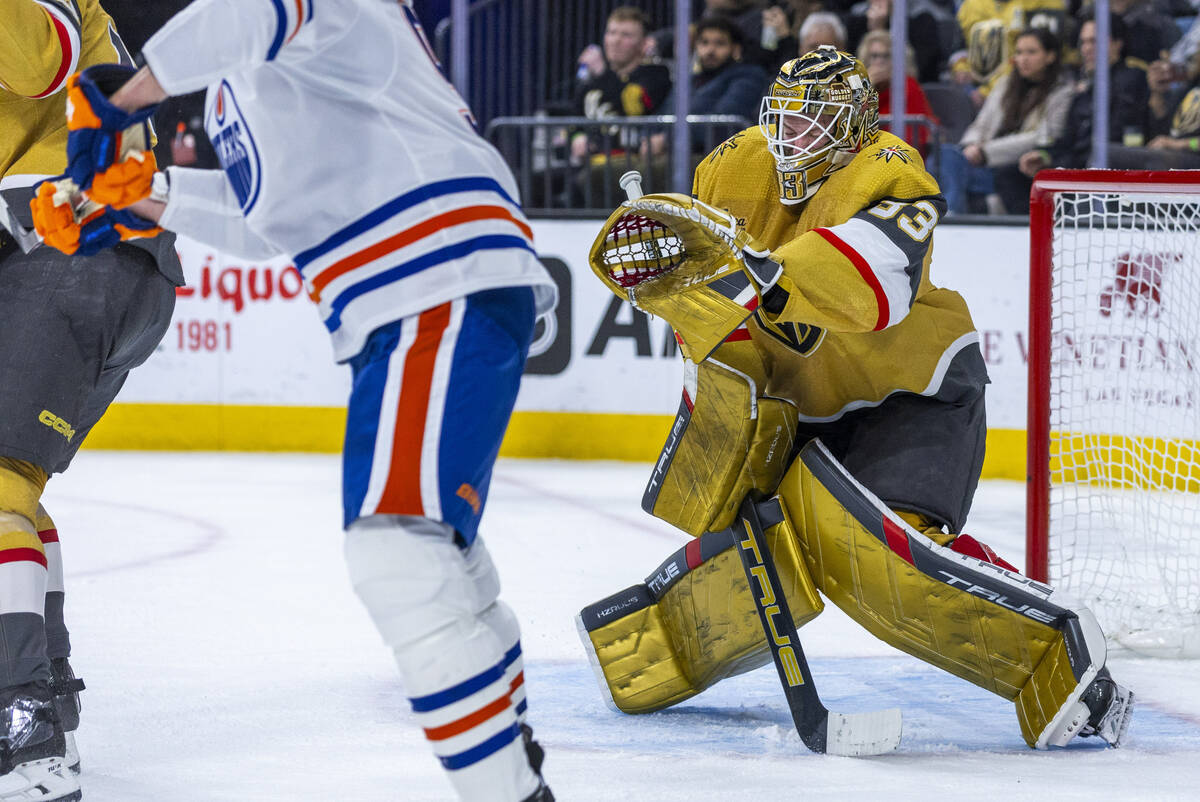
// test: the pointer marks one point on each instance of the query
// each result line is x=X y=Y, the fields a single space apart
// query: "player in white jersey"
x=344 y=146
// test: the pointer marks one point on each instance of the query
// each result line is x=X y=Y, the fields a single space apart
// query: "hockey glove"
x=68 y=221
x=108 y=148
x=766 y=272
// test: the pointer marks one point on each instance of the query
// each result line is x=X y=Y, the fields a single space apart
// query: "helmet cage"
x=802 y=131
x=820 y=110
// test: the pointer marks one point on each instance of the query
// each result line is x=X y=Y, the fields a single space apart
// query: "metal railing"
x=538 y=149
x=522 y=53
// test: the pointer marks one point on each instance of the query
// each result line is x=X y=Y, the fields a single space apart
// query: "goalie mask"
x=820 y=111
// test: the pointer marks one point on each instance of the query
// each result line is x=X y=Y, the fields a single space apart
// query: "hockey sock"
x=500 y=619
x=58 y=639
x=22 y=599
x=415 y=583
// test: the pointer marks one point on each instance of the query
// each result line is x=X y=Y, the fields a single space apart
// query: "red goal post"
x=1113 y=416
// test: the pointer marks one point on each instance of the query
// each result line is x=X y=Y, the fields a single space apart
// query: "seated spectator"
x=1027 y=108
x=822 y=28
x=621 y=85
x=1148 y=30
x=932 y=32
x=779 y=41
x=1185 y=49
x=721 y=84
x=793 y=28
x=613 y=81
x=1128 y=111
x=876 y=53
x=1173 y=129
x=1179 y=148
x=1164 y=97
x=746 y=16
x=989 y=31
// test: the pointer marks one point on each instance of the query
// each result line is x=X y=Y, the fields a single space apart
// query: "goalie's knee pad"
x=692 y=623
x=725 y=442
x=969 y=616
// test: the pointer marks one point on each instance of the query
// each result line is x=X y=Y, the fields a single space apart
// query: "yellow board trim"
x=539 y=435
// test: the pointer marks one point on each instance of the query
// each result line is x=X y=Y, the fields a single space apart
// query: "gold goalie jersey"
x=42 y=42
x=862 y=319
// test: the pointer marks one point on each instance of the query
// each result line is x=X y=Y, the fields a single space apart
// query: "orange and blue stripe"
x=430 y=399
x=475 y=718
x=402 y=238
x=290 y=15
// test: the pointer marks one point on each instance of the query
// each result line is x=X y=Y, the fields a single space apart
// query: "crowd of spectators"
x=1019 y=73
x=1025 y=66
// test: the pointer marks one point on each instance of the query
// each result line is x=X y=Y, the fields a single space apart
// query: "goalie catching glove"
x=65 y=219
x=109 y=152
x=689 y=263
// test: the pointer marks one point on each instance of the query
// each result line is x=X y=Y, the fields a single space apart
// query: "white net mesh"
x=1124 y=531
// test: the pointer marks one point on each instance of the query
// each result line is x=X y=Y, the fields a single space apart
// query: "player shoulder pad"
x=737 y=158
x=891 y=168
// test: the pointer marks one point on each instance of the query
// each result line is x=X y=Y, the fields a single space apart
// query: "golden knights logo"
x=800 y=337
x=893 y=152
x=726 y=146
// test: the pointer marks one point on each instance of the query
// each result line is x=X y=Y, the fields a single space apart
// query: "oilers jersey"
x=345 y=147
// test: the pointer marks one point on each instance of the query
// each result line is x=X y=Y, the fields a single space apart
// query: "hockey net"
x=1113 y=513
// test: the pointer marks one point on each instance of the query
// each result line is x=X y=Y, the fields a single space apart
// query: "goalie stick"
x=822 y=730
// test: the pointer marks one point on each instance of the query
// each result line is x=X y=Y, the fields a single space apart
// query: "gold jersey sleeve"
x=862 y=319
x=42 y=42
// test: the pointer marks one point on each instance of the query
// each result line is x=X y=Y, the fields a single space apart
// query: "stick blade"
x=861 y=734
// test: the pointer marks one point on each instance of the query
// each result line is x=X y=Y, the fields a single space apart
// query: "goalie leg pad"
x=907 y=590
x=1071 y=692
x=970 y=617
x=724 y=443
x=691 y=624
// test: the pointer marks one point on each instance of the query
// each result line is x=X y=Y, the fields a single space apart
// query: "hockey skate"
x=1110 y=706
x=66 y=687
x=1102 y=710
x=537 y=756
x=32 y=748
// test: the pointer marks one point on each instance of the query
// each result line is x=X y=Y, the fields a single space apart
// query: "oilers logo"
x=234 y=143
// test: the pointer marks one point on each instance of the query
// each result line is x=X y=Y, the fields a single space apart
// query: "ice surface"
x=227 y=658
